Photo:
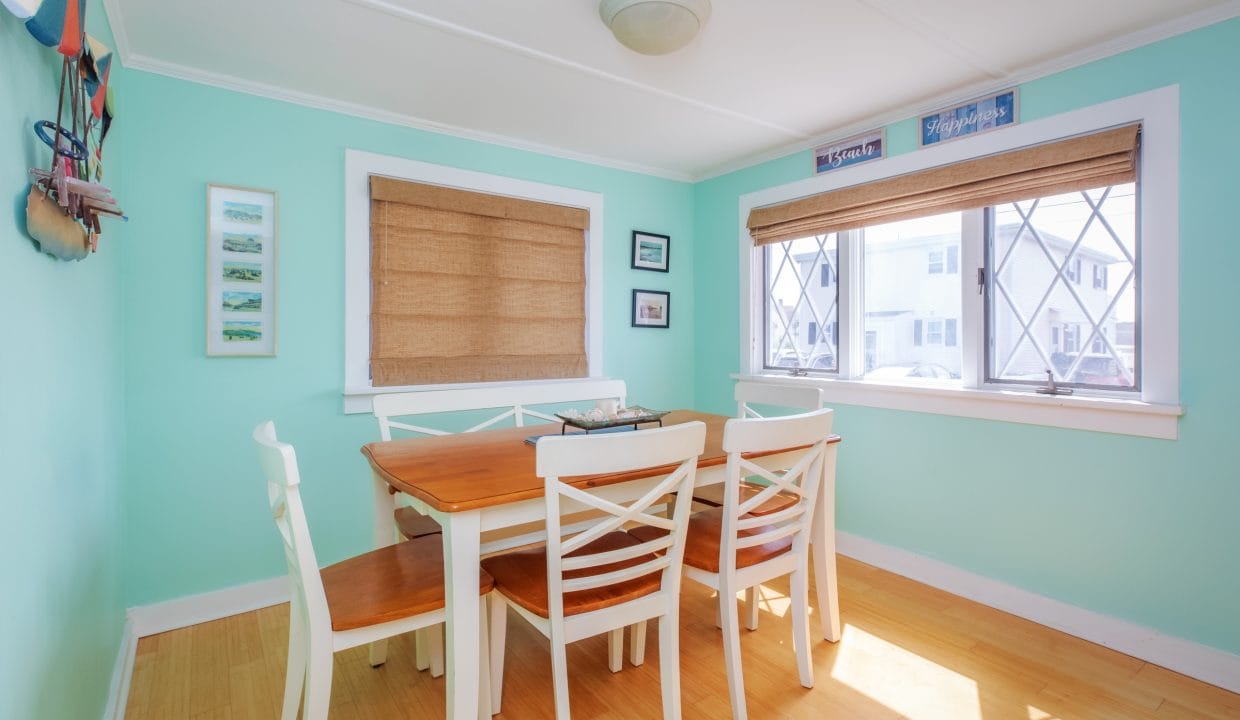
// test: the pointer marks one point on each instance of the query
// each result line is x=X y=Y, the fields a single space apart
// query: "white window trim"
x=358 y=167
x=1154 y=414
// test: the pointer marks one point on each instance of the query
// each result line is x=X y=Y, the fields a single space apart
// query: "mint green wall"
x=61 y=437
x=1144 y=530
x=196 y=507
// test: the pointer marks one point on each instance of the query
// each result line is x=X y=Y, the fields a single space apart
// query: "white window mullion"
x=972 y=299
x=852 y=307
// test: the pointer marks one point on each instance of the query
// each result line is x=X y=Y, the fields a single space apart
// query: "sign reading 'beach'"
x=976 y=116
x=851 y=151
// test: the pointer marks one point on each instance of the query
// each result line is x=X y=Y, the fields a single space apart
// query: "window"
x=1100 y=277
x=1049 y=271
x=1073 y=270
x=489 y=326
x=793 y=299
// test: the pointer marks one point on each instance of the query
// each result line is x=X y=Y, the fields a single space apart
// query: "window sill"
x=359 y=399
x=1100 y=414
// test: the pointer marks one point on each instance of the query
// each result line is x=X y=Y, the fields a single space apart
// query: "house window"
x=1073 y=270
x=1086 y=298
x=486 y=351
x=1100 y=277
x=1028 y=242
x=794 y=296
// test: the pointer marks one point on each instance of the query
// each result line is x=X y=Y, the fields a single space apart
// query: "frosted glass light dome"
x=654 y=27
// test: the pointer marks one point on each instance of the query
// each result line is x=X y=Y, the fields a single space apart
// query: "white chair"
x=385 y=592
x=729 y=549
x=391 y=410
x=602 y=579
x=749 y=397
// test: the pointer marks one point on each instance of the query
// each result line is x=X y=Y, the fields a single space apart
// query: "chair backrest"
x=510 y=401
x=279 y=463
x=801 y=397
x=676 y=447
x=803 y=479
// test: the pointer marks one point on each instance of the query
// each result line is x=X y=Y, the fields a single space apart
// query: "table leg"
x=826 y=582
x=383 y=534
x=461 y=538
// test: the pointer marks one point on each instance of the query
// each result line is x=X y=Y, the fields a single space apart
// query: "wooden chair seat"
x=712 y=495
x=705 y=534
x=522 y=576
x=413 y=524
x=389 y=583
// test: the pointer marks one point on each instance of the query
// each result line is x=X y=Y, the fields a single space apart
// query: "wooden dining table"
x=472 y=483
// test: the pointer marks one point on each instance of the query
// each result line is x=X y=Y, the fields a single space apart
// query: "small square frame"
x=652 y=308
x=651 y=251
x=241 y=271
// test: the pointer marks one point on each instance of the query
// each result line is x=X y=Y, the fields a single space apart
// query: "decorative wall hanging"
x=241 y=271
x=652 y=308
x=976 y=116
x=851 y=151
x=65 y=202
x=651 y=251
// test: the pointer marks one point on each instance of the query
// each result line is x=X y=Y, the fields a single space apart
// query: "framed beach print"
x=241 y=271
x=651 y=251
x=652 y=308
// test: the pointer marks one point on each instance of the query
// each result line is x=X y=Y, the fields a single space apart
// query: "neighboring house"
x=917 y=320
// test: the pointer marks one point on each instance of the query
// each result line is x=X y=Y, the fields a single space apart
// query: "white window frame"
x=1153 y=412
x=358 y=167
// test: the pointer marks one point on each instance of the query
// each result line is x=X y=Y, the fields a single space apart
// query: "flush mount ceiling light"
x=654 y=27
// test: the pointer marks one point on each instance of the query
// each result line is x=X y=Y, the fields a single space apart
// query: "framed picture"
x=652 y=308
x=650 y=251
x=241 y=271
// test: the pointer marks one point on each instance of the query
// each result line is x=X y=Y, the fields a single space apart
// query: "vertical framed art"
x=241 y=271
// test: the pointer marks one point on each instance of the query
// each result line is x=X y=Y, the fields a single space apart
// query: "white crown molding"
x=1131 y=41
x=319 y=102
x=116 y=20
x=122 y=673
x=1205 y=663
x=131 y=60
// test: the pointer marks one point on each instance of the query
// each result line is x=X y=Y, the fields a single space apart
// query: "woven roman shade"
x=1079 y=163
x=470 y=287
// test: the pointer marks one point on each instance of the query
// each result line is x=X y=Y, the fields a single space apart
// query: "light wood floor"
x=908 y=651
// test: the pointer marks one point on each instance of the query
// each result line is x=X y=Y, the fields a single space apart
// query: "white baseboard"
x=122 y=673
x=183 y=612
x=1205 y=663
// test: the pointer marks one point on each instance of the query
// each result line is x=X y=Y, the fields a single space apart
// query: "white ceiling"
x=765 y=77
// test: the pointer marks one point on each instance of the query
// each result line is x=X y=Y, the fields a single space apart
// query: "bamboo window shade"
x=471 y=287
x=1104 y=158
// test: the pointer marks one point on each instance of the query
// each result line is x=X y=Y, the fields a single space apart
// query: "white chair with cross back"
x=730 y=549
x=374 y=596
x=602 y=579
x=751 y=399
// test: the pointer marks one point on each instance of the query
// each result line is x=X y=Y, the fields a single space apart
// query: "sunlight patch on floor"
x=1039 y=714
x=906 y=682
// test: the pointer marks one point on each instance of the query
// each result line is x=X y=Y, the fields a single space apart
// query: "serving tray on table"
x=634 y=416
